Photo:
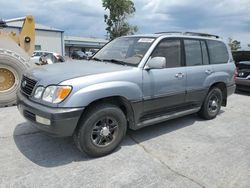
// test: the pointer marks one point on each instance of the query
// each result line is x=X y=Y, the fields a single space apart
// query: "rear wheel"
x=101 y=131
x=212 y=104
x=12 y=67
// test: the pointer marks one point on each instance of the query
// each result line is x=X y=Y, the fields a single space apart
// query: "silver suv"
x=132 y=82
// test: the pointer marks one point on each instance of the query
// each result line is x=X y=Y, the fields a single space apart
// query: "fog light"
x=42 y=120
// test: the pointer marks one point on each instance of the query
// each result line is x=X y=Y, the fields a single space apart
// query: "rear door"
x=222 y=62
x=164 y=89
x=198 y=70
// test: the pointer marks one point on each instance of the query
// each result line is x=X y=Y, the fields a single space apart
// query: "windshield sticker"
x=147 y=40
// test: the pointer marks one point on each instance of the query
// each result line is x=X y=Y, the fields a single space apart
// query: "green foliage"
x=234 y=44
x=119 y=11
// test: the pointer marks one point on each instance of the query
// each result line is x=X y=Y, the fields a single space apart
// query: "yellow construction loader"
x=15 y=52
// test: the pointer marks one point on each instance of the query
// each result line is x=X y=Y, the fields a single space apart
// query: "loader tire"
x=12 y=67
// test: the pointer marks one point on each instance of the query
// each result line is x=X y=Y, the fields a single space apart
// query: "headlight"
x=48 y=94
x=39 y=92
x=56 y=94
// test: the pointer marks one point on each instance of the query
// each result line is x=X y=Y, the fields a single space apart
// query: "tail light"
x=235 y=74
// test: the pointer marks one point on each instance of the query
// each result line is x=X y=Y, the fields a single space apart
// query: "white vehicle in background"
x=37 y=54
x=51 y=58
x=89 y=54
x=45 y=57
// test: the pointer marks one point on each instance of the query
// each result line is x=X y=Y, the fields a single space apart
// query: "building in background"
x=53 y=40
x=82 y=43
x=47 y=38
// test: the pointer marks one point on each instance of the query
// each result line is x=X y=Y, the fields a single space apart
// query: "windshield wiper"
x=116 y=61
x=96 y=59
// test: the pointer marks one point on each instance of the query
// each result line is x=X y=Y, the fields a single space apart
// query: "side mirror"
x=156 y=63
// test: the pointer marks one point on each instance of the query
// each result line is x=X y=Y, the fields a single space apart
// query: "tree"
x=117 y=23
x=234 y=44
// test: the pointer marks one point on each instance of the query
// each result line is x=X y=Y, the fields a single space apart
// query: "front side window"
x=193 y=52
x=217 y=52
x=171 y=50
x=127 y=50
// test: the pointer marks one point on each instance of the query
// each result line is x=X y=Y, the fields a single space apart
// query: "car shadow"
x=48 y=151
x=45 y=150
x=240 y=92
x=157 y=130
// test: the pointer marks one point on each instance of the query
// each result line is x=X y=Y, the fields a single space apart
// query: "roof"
x=91 y=42
x=84 y=39
x=18 y=24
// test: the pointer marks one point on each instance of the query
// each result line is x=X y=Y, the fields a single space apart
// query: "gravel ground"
x=186 y=152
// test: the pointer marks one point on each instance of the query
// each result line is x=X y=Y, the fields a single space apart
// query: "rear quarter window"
x=217 y=52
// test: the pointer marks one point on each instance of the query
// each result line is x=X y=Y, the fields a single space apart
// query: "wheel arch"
x=222 y=86
x=119 y=101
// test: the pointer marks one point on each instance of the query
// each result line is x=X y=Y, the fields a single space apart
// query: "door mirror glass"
x=156 y=63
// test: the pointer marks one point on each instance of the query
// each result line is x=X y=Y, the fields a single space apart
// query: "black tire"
x=96 y=135
x=16 y=65
x=212 y=104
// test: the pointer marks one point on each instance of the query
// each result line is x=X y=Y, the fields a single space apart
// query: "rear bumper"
x=63 y=121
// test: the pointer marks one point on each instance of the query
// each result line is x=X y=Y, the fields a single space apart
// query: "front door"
x=164 y=89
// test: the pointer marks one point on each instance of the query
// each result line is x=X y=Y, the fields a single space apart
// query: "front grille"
x=27 y=85
x=29 y=115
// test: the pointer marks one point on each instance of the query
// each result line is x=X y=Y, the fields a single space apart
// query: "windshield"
x=125 y=50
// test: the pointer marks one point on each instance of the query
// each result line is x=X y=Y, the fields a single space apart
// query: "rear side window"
x=193 y=52
x=171 y=50
x=217 y=52
x=204 y=53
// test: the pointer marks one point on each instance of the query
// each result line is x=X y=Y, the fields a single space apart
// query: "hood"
x=56 y=73
x=243 y=65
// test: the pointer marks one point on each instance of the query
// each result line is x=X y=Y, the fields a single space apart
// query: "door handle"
x=179 y=75
x=209 y=71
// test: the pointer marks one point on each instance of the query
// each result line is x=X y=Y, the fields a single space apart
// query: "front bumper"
x=63 y=121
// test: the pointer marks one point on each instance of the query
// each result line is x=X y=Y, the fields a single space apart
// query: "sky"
x=227 y=18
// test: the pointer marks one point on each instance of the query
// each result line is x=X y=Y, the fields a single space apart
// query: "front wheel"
x=101 y=130
x=212 y=104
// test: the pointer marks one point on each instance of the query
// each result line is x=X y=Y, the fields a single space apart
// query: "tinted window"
x=204 y=53
x=193 y=52
x=171 y=50
x=217 y=52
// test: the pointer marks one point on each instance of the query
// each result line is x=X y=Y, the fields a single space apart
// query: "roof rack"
x=170 y=32
x=189 y=33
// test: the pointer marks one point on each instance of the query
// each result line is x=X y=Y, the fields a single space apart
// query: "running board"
x=160 y=119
